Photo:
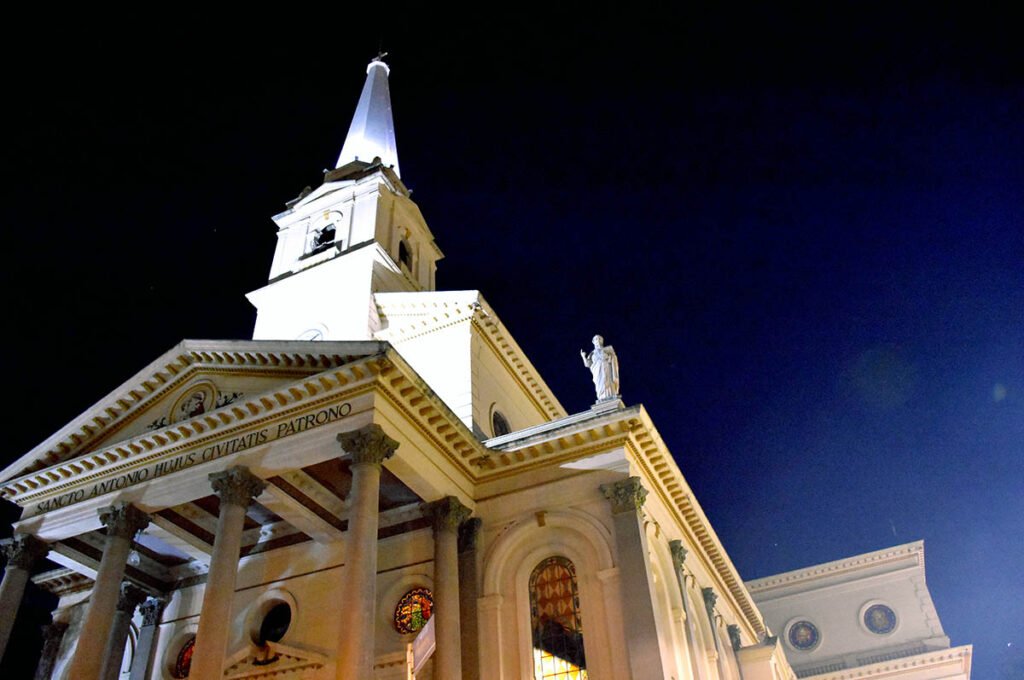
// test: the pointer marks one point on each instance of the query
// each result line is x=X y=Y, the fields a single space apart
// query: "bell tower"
x=357 y=234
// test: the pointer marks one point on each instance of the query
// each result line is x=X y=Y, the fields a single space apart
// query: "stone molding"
x=368 y=445
x=678 y=554
x=123 y=520
x=130 y=597
x=626 y=495
x=236 y=485
x=469 y=533
x=447 y=514
x=23 y=551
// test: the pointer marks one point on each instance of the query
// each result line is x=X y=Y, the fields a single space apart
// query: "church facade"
x=379 y=469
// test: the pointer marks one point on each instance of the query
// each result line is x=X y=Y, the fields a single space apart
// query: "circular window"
x=414 y=610
x=275 y=624
x=499 y=424
x=880 y=619
x=803 y=635
x=183 y=662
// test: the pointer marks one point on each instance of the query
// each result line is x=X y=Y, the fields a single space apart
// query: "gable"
x=193 y=377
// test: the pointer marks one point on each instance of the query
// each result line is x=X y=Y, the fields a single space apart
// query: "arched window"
x=555 y=620
x=499 y=424
x=405 y=255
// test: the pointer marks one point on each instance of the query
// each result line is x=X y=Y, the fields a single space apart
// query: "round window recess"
x=880 y=619
x=499 y=424
x=804 y=636
x=413 y=610
x=183 y=661
x=275 y=624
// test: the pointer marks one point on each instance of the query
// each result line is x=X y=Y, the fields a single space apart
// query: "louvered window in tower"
x=555 y=620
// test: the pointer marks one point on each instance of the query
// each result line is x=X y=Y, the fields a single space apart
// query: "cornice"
x=910 y=666
x=61 y=582
x=172 y=370
x=840 y=567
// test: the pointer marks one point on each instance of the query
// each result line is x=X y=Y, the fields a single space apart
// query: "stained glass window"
x=555 y=619
x=413 y=610
x=183 y=663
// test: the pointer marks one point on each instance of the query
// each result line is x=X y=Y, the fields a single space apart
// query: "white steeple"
x=372 y=133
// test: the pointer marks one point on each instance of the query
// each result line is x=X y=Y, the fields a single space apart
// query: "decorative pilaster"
x=626 y=498
x=22 y=551
x=122 y=521
x=130 y=598
x=710 y=600
x=734 y=636
x=448 y=514
x=368 y=448
x=679 y=554
x=236 y=487
x=151 y=610
x=53 y=635
x=469 y=591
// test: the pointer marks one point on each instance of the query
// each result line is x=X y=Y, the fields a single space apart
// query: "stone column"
x=53 y=635
x=22 y=551
x=123 y=521
x=678 y=559
x=710 y=599
x=627 y=498
x=236 y=487
x=369 y=447
x=447 y=513
x=469 y=591
x=151 y=610
x=130 y=598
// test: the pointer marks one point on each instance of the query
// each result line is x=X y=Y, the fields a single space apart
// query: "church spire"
x=372 y=133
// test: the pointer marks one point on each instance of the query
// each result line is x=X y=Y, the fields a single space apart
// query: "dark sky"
x=803 y=234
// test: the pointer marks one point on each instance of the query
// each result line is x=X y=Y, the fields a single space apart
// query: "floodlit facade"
x=380 y=465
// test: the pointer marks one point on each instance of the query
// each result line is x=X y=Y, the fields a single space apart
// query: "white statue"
x=604 y=367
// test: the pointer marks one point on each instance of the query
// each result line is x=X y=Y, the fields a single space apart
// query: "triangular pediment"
x=193 y=378
x=273 y=660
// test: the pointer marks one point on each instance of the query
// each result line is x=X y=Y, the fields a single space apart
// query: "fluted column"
x=369 y=447
x=151 y=610
x=22 y=551
x=53 y=635
x=627 y=498
x=447 y=514
x=123 y=521
x=469 y=591
x=236 y=487
x=678 y=559
x=130 y=598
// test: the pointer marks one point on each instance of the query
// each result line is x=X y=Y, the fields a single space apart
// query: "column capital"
x=626 y=495
x=468 y=534
x=151 y=610
x=236 y=485
x=130 y=597
x=123 y=520
x=368 y=444
x=23 y=550
x=447 y=513
x=734 y=636
x=54 y=631
x=678 y=554
x=710 y=598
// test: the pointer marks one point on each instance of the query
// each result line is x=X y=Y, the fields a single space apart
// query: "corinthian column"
x=447 y=513
x=369 y=448
x=678 y=559
x=151 y=610
x=22 y=551
x=627 y=498
x=129 y=599
x=123 y=521
x=236 y=487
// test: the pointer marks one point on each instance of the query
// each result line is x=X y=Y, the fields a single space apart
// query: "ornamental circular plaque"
x=804 y=635
x=198 y=399
x=414 y=610
x=880 y=619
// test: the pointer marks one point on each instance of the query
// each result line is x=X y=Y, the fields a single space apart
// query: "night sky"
x=803 y=234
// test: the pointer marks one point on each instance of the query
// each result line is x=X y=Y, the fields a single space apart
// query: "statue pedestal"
x=606 y=405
